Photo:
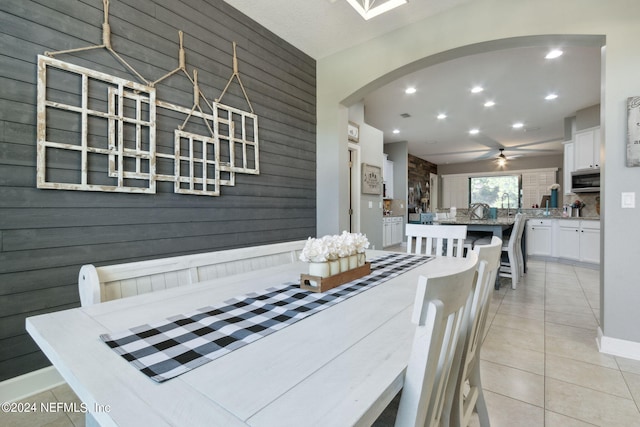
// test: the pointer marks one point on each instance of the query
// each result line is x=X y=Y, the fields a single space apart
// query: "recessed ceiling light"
x=551 y=96
x=474 y=131
x=442 y=116
x=477 y=89
x=396 y=131
x=554 y=54
x=410 y=90
x=489 y=104
x=518 y=125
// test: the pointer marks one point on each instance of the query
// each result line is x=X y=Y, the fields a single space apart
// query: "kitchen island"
x=494 y=226
x=497 y=227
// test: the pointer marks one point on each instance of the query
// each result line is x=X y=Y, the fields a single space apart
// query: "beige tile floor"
x=540 y=363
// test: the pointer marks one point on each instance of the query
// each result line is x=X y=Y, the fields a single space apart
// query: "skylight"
x=368 y=8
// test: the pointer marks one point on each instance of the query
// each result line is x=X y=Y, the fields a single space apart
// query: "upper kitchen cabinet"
x=569 y=166
x=587 y=149
x=387 y=177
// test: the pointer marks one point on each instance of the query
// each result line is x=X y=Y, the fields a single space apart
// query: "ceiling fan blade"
x=529 y=144
x=487 y=142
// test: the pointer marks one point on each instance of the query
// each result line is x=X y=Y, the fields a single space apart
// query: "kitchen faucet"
x=508 y=203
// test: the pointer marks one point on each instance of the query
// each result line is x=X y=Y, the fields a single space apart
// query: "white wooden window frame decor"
x=131 y=109
x=130 y=151
x=245 y=138
x=633 y=131
x=201 y=159
x=115 y=150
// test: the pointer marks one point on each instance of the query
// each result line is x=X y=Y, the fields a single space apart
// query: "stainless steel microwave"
x=585 y=181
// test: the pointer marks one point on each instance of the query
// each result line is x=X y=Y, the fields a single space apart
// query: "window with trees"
x=500 y=191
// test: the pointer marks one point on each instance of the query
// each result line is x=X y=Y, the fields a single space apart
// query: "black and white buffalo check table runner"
x=173 y=346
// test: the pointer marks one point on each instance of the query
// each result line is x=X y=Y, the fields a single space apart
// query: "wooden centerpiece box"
x=323 y=284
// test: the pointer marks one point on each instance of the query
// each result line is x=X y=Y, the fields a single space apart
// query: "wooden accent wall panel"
x=46 y=235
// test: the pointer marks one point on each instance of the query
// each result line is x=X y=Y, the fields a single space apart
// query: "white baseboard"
x=618 y=347
x=29 y=384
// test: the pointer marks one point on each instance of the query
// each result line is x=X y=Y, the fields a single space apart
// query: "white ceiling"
x=517 y=79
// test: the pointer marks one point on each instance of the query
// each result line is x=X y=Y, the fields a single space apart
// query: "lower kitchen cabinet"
x=590 y=241
x=565 y=239
x=578 y=240
x=568 y=241
x=539 y=237
x=393 y=230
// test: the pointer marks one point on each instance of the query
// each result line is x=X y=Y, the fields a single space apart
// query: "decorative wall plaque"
x=633 y=131
x=371 y=179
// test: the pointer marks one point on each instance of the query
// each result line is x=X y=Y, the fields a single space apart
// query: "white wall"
x=483 y=25
x=370 y=143
x=371 y=205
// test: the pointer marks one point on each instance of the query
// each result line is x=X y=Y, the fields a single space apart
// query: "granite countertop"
x=587 y=218
x=463 y=220
x=507 y=220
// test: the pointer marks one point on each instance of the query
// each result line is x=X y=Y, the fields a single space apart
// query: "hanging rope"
x=106 y=44
x=196 y=105
x=235 y=74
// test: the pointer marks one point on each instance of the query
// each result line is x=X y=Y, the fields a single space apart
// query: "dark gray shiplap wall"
x=46 y=235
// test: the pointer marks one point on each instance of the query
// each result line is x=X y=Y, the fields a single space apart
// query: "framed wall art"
x=371 y=179
x=633 y=131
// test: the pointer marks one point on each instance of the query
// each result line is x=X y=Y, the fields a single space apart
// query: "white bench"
x=100 y=284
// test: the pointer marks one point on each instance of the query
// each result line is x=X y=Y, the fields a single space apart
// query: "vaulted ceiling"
x=516 y=79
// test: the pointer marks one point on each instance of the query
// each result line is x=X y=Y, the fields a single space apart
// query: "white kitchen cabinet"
x=578 y=240
x=568 y=239
x=569 y=166
x=539 y=237
x=387 y=178
x=587 y=149
x=392 y=230
x=590 y=241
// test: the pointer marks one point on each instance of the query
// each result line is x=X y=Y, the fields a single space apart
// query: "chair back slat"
x=439 y=313
x=436 y=240
x=464 y=391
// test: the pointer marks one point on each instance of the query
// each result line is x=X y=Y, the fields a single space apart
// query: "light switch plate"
x=628 y=200
x=370 y=204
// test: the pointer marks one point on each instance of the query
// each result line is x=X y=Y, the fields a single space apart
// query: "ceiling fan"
x=542 y=148
x=501 y=159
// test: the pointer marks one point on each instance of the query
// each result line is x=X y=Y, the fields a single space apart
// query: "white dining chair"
x=519 y=253
x=438 y=313
x=510 y=267
x=464 y=391
x=436 y=240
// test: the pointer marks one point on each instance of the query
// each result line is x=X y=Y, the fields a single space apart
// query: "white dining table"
x=338 y=367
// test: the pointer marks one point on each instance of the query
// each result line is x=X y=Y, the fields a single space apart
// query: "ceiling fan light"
x=501 y=159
